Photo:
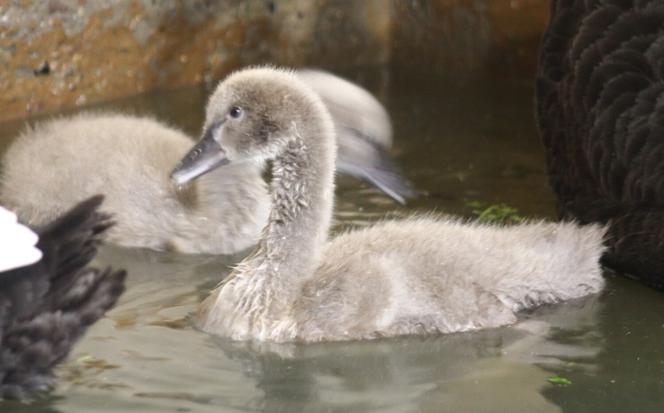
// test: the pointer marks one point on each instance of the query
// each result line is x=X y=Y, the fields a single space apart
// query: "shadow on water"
x=459 y=141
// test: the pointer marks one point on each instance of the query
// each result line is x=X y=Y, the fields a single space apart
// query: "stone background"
x=61 y=53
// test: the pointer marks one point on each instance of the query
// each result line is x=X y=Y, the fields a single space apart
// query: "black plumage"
x=46 y=307
x=600 y=111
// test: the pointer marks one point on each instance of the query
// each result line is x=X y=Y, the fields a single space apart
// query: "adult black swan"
x=47 y=305
x=600 y=111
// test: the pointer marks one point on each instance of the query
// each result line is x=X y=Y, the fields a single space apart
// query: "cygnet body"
x=127 y=158
x=417 y=276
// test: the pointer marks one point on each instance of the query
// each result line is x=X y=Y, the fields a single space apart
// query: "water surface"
x=459 y=141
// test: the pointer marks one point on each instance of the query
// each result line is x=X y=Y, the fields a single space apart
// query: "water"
x=459 y=141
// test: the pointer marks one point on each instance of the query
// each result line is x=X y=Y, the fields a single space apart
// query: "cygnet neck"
x=302 y=193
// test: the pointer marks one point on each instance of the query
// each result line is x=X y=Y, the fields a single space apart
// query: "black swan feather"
x=600 y=112
x=47 y=306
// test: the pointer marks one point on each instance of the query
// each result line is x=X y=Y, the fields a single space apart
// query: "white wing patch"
x=17 y=243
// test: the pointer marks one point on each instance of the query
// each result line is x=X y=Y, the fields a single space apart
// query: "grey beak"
x=204 y=157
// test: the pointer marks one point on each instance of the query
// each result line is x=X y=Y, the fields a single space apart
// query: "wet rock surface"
x=64 y=53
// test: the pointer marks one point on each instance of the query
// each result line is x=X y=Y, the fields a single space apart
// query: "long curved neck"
x=254 y=300
x=302 y=194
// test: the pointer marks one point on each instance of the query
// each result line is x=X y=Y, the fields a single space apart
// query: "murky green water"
x=459 y=142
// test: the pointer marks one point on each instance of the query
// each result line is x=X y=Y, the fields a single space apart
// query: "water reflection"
x=412 y=374
x=628 y=370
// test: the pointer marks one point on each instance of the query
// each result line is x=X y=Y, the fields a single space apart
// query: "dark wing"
x=600 y=110
x=46 y=307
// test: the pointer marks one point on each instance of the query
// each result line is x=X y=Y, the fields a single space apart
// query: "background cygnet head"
x=251 y=117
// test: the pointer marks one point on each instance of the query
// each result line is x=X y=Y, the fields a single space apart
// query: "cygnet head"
x=250 y=117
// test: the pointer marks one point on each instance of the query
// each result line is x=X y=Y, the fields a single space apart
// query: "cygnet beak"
x=204 y=157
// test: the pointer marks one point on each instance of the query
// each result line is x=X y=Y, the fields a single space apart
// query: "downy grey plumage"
x=126 y=158
x=417 y=276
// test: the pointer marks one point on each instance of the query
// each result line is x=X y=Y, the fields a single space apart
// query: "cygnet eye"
x=235 y=112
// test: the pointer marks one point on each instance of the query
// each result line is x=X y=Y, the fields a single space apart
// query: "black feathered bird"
x=600 y=111
x=47 y=306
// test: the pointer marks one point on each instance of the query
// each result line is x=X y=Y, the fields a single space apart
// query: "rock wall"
x=59 y=53
x=62 y=53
